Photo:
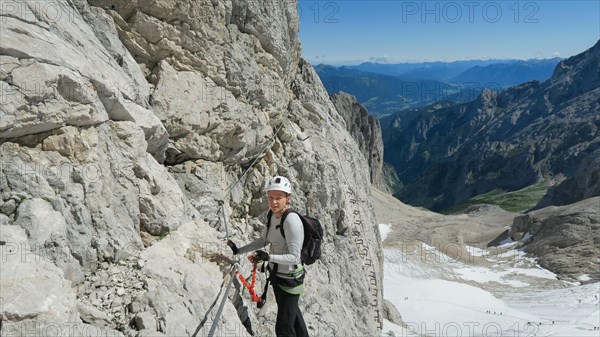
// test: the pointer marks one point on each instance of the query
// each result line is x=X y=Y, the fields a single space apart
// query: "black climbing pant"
x=290 y=322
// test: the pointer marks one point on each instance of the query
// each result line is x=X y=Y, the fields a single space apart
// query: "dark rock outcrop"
x=584 y=184
x=366 y=130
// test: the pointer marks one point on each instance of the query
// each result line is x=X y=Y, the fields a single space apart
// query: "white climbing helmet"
x=279 y=183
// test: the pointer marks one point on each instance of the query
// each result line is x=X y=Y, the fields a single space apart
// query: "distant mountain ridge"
x=507 y=140
x=509 y=74
x=388 y=88
x=450 y=71
x=397 y=69
x=384 y=94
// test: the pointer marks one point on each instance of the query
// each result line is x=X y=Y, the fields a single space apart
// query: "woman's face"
x=278 y=201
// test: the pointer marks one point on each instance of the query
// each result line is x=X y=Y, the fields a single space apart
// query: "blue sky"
x=354 y=31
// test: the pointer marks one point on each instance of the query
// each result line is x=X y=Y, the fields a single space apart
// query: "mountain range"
x=508 y=74
x=440 y=71
x=385 y=94
x=388 y=88
x=446 y=153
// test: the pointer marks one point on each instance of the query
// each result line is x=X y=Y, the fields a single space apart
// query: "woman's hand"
x=258 y=256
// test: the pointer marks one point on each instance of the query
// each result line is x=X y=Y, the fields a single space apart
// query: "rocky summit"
x=135 y=136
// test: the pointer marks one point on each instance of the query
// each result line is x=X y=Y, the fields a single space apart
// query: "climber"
x=286 y=268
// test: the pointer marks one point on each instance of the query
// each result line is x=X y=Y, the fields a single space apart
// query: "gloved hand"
x=233 y=247
x=258 y=256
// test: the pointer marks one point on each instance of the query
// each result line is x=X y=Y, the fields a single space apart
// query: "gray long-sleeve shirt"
x=283 y=251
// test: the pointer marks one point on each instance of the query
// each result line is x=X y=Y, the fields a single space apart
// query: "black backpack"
x=313 y=236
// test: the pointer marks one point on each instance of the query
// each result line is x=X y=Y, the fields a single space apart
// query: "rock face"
x=366 y=131
x=503 y=140
x=125 y=124
x=584 y=184
x=565 y=239
x=391 y=313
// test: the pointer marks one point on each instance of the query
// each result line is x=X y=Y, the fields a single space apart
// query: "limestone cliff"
x=123 y=126
x=366 y=131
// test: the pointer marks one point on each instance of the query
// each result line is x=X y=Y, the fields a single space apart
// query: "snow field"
x=510 y=295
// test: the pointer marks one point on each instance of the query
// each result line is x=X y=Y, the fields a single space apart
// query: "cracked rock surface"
x=122 y=125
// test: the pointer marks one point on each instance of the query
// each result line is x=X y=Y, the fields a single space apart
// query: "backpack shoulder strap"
x=269 y=219
x=285 y=214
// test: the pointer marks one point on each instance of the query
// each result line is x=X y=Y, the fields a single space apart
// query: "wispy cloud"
x=379 y=59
